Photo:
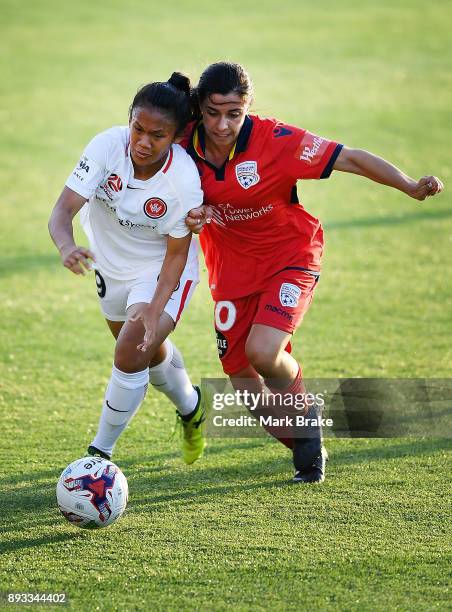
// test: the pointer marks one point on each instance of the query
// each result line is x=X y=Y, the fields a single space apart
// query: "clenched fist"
x=425 y=187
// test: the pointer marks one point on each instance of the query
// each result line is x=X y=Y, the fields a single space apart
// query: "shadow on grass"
x=29 y=495
x=32 y=503
x=22 y=543
x=33 y=493
x=211 y=495
x=212 y=449
x=402 y=219
x=204 y=483
x=408 y=448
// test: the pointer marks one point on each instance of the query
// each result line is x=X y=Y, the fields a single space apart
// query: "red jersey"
x=259 y=227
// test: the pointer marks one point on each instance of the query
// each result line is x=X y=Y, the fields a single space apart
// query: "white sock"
x=123 y=397
x=170 y=377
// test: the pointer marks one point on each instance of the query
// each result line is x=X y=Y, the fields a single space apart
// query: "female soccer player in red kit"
x=263 y=249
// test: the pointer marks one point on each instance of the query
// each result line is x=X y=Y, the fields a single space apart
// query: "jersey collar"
x=197 y=144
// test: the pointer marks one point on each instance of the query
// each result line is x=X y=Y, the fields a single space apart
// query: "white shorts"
x=116 y=296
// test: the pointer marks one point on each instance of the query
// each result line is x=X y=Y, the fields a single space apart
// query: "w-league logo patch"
x=289 y=295
x=246 y=174
x=114 y=182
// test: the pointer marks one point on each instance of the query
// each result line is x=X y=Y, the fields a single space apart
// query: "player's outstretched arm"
x=379 y=170
x=73 y=257
x=172 y=268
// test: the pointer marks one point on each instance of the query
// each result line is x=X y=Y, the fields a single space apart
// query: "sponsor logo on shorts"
x=279 y=311
x=155 y=208
x=246 y=174
x=289 y=295
x=222 y=344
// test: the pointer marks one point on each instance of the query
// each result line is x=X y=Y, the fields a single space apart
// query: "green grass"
x=230 y=532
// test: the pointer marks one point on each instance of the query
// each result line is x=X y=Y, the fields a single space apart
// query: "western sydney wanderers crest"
x=154 y=208
x=289 y=295
x=246 y=174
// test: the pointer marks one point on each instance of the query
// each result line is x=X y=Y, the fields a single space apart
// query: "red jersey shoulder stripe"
x=168 y=161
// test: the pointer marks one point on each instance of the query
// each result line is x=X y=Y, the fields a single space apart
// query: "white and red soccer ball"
x=92 y=492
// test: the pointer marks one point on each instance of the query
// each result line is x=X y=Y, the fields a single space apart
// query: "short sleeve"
x=179 y=230
x=90 y=170
x=189 y=193
x=303 y=155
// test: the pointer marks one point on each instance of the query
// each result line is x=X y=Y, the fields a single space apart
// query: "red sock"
x=296 y=387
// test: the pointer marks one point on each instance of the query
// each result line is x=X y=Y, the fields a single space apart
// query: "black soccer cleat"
x=315 y=473
x=95 y=452
x=306 y=449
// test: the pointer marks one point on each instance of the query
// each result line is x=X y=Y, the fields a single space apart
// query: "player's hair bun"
x=172 y=97
x=180 y=81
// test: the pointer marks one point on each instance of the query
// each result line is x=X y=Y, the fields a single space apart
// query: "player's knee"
x=129 y=359
x=261 y=357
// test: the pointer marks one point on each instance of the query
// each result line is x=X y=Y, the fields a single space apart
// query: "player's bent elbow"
x=348 y=161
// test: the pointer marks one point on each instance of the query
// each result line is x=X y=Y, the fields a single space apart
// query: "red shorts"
x=282 y=305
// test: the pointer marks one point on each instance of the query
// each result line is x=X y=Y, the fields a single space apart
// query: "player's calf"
x=124 y=395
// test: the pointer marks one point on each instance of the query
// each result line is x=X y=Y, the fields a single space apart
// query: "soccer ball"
x=92 y=492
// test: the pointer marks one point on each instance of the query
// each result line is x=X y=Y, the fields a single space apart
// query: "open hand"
x=198 y=217
x=150 y=319
x=77 y=259
x=425 y=187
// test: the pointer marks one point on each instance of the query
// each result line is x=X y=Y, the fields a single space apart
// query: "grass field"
x=231 y=531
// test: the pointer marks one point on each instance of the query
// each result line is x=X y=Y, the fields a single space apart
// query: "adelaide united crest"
x=289 y=295
x=246 y=174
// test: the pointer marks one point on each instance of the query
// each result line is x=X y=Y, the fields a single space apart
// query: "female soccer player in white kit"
x=134 y=187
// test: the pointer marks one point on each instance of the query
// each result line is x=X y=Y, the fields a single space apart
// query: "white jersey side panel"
x=127 y=220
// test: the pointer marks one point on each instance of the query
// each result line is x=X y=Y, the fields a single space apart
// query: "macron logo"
x=310 y=152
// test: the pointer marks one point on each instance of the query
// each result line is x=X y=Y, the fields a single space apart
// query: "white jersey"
x=127 y=220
